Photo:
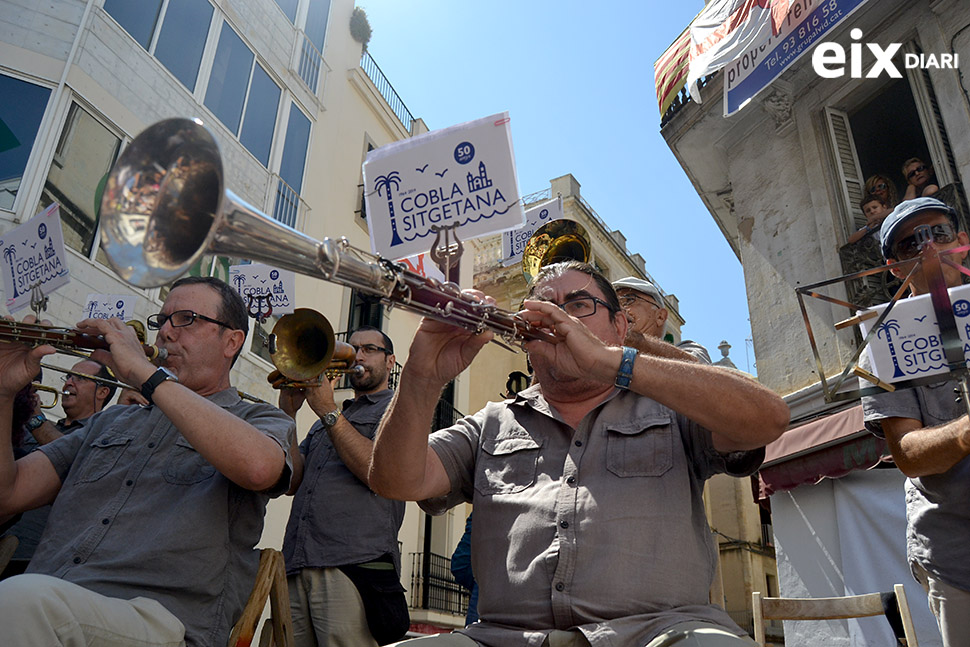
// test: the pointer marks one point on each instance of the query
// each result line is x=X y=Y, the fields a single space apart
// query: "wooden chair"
x=8 y=546
x=893 y=605
x=270 y=583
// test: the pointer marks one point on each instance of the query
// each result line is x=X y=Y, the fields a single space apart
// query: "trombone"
x=305 y=351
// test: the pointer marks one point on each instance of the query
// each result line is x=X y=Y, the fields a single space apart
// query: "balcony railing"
x=434 y=588
x=310 y=63
x=288 y=207
x=682 y=99
x=767 y=535
x=374 y=73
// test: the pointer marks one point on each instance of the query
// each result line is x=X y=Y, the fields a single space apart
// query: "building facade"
x=783 y=179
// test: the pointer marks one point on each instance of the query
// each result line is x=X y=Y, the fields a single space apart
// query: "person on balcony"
x=921 y=181
x=342 y=558
x=589 y=523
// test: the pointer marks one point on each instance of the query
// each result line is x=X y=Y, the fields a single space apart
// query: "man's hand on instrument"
x=440 y=351
x=321 y=398
x=19 y=363
x=126 y=359
x=578 y=353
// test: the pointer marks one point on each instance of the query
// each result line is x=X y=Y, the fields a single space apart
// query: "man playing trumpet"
x=81 y=398
x=156 y=509
x=342 y=558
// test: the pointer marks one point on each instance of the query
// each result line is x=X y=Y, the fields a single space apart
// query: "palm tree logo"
x=239 y=279
x=388 y=183
x=891 y=326
x=10 y=255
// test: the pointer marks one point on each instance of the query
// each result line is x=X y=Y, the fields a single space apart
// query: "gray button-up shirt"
x=336 y=520
x=600 y=528
x=937 y=514
x=141 y=513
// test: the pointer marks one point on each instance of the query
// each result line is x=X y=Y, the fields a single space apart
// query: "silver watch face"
x=330 y=419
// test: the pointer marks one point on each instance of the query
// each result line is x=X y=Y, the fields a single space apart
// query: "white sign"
x=33 y=255
x=514 y=242
x=907 y=345
x=105 y=306
x=462 y=176
x=265 y=290
x=423 y=265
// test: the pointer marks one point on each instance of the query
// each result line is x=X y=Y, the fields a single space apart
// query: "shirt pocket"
x=103 y=456
x=507 y=464
x=186 y=466
x=643 y=448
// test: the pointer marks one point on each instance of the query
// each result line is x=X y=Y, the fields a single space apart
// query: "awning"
x=829 y=447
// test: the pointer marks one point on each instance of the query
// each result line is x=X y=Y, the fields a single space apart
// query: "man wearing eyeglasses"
x=587 y=485
x=643 y=305
x=158 y=508
x=343 y=564
x=928 y=432
x=81 y=398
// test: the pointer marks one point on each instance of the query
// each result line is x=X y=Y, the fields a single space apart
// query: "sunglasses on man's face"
x=941 y=234
x=918 y=169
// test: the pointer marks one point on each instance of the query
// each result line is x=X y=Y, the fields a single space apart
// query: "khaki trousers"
x=327 y=610
x=950 y=606
x=685 y=634
x=44 y=611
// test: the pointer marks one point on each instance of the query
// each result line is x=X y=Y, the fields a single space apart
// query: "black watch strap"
x=159 y=376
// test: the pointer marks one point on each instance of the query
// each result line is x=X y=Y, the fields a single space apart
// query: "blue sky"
x=577 y=81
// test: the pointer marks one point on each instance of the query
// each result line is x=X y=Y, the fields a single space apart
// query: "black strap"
x=891 y=608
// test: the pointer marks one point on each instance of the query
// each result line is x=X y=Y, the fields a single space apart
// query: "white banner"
x=265 y=290
x=514 y=242
x=463 y=176
x=105 y=306
x=34 y=255
x=907 y=344
x=725 y=30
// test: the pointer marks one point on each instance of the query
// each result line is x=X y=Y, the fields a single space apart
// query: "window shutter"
x=929 y=115
x=851 y=182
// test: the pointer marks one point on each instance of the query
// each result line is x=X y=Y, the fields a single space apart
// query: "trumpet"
x=48 y=389
x=165 y=205
x=305 y=350
x=65 y=340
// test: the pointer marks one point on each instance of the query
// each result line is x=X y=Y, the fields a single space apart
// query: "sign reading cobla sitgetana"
x=463 y=176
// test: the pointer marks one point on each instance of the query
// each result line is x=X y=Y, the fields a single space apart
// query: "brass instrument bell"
x=553 y=242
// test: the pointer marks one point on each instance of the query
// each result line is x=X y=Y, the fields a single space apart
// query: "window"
x=365 y=310
x=137 y=18
x=85 y=152
x=289 y=8
x=182 y=38
x=316 y=22
x=238 y=85
x=287 y=205
x=20 y=116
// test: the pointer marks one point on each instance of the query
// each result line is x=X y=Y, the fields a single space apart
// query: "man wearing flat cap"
x=928 y=432
x=644 y=307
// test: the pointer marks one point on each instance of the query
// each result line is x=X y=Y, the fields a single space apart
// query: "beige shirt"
x=600 y=528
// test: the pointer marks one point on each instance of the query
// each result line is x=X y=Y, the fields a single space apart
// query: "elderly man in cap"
x=929 y=434
x=644 y=307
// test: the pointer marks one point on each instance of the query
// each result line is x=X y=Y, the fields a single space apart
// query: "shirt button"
x=579 y=443
x=150 y=445
x=105 y=521
x=129 y=482
x=563 y=524
x=560 y=586
x=104 y=441
x=77 y=560
x=571 y=480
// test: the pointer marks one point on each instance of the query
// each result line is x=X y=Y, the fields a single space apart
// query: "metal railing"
x=374 y=73
x=311 y=60
x=288 y=207
x=434 y=588
x=767 y=535
x=682 y=99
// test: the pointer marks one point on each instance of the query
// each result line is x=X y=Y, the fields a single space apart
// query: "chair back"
x=270 y=583
x=893 y=605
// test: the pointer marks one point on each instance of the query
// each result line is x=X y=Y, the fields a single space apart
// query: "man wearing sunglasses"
x=919 y=179
x=589 y=524
x=643 y=305
x=158 y=508
x=928 y=432
x=343 y=564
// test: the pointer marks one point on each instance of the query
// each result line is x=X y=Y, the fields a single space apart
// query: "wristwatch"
x=35 y=421
x=159 y=376
x=330 y=419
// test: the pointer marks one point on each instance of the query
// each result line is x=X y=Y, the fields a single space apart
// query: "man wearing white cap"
x=644 y=307
x=928 y=432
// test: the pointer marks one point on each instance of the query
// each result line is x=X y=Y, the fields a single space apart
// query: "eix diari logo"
x=829 y=59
